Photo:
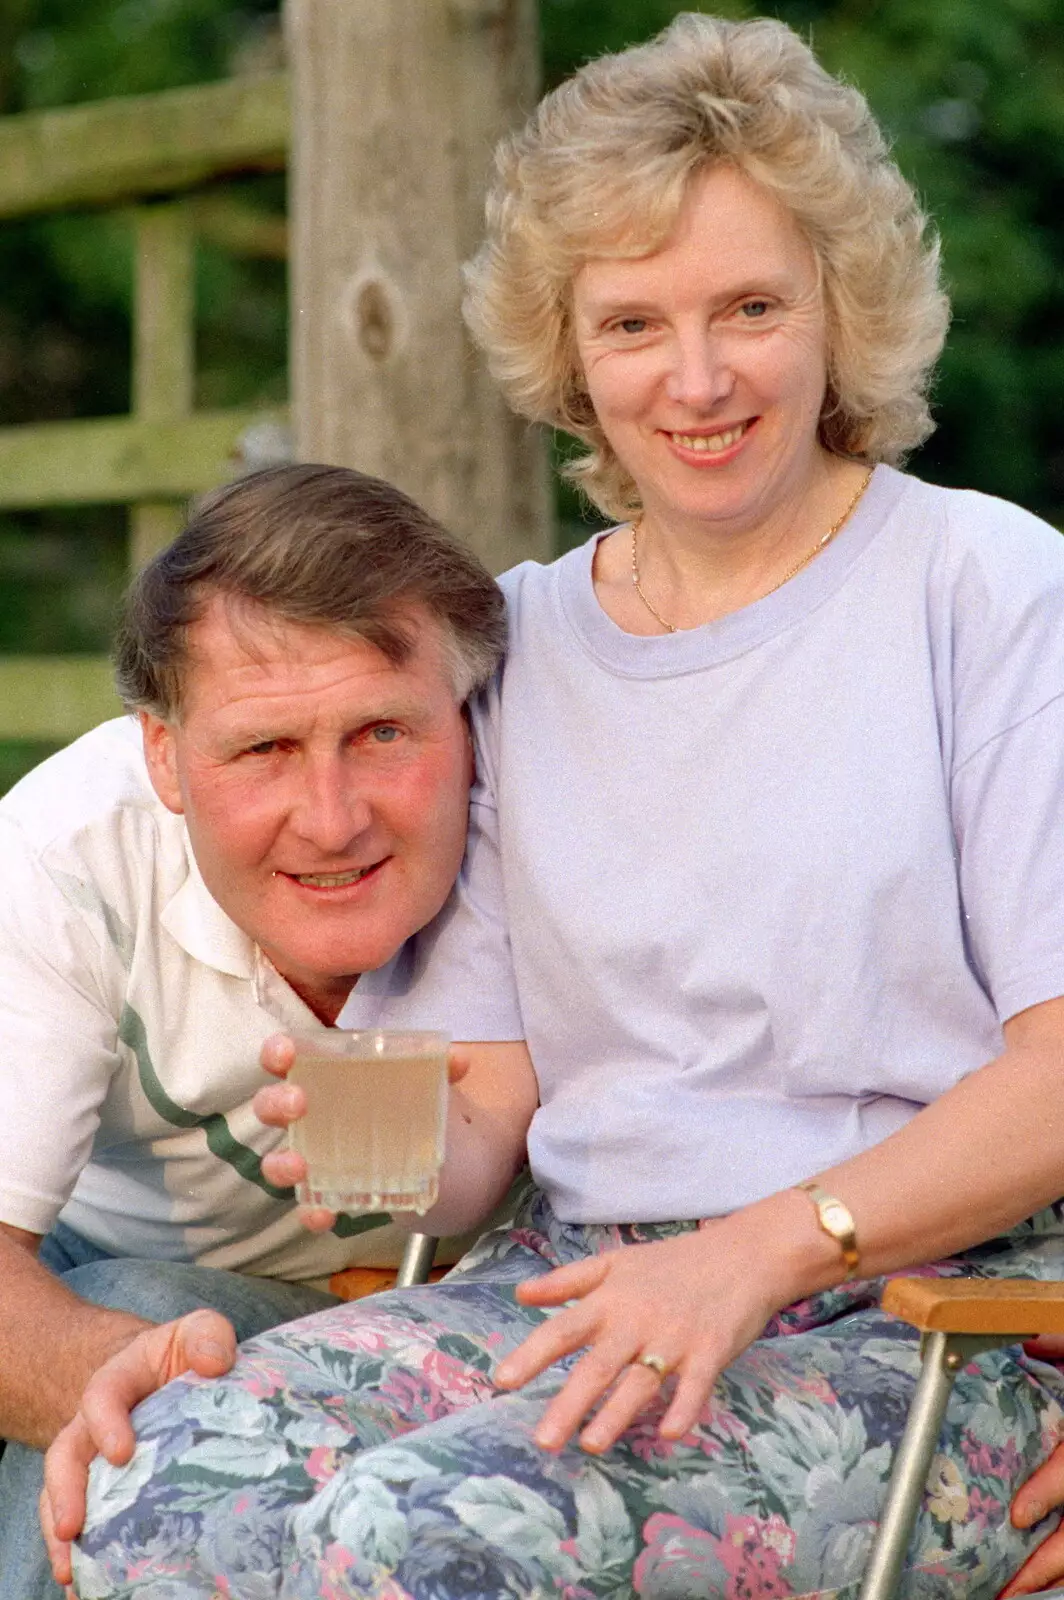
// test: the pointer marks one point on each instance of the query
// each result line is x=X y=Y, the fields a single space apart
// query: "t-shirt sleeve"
x=1007 y=777
x=457 y=974
x=57 y=1039
x=1008 y=803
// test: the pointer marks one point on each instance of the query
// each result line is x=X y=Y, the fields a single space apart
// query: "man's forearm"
x=51 y=1342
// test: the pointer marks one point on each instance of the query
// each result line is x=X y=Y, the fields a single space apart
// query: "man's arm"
x=487 y=1125
x=51 y=1342
x=201 y=1341
x=59 y=979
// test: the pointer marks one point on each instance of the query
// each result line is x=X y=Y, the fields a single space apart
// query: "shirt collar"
x=195 y=919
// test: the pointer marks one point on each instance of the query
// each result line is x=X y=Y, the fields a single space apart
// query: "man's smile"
x=332 y=880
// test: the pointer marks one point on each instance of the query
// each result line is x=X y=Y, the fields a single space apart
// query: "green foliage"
x=64 y=569
x=973 y=97
x=17 y=756
x=63 y=51
x=576 y=30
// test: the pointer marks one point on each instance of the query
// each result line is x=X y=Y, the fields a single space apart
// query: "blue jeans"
x=157 y=1291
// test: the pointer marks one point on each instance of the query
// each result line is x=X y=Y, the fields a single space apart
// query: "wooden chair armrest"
x=1008 y=1306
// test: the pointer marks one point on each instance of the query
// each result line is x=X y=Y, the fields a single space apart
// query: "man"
x=292 y=806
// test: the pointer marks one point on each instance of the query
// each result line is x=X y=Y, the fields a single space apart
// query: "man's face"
x=325 y=790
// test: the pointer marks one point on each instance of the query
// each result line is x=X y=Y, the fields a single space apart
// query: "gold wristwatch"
x=835 y=1219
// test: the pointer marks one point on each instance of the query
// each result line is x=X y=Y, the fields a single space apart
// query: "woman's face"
x=706 y=362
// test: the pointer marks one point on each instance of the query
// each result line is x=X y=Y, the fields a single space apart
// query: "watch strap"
x=836 y=1220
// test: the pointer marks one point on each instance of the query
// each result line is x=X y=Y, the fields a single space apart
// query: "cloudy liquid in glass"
x=373 y=1134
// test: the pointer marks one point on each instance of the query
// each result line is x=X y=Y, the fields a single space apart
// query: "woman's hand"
x=694 y=1301
x=281 y=1104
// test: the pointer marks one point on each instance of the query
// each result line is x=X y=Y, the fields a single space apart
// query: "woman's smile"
x=706 y=362
x=711 y=449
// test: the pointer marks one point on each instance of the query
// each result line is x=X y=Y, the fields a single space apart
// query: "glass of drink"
x=373 y=1133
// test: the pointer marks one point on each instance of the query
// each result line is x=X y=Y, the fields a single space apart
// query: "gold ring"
x=656 y=1364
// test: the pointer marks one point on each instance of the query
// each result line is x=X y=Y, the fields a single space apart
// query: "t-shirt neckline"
x=690 y=649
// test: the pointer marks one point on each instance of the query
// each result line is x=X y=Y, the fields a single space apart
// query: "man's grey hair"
x=318 y=545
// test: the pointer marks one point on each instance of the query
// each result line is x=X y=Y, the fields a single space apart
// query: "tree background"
x=970 y=91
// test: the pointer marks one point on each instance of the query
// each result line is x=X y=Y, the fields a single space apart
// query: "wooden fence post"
x=163 y=348
x=397 y=105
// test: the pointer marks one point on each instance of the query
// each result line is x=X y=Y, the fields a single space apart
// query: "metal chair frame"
x=943 y=1356
x=958 y=1319
x=418 y=1253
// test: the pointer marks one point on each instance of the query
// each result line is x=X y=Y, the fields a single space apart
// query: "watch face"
x=836 y=1219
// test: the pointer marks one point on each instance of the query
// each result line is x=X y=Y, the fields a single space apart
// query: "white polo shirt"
x=131 y=1015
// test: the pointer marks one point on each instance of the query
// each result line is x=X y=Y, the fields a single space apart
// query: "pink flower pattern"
x=458 y=1501
x=751 y=1552
x=673 y=1545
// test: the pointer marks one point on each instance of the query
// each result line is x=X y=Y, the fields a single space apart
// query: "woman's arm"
x=985 y=1155
x=493 y=1096
x=981 y=1158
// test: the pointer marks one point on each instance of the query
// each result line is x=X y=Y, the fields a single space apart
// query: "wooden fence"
x=145 y=154
x=398 y=104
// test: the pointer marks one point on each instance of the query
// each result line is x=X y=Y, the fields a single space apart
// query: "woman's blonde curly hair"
x=602 y=168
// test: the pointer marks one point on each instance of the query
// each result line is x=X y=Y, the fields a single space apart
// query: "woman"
x=764 y=867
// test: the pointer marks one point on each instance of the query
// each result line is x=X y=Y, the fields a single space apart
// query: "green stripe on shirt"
x=220 y=1140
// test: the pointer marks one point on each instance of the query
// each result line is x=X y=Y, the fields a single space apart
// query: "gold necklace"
x=670 y=627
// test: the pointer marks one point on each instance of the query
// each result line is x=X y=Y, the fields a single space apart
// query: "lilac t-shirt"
x=756 y=892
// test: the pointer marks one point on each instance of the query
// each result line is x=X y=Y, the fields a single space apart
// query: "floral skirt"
x=365 y=1452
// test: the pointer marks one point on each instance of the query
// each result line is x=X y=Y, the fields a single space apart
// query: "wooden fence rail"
x=396 y=107
x=116 y=459
x=138 y=153
x=139 y=146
